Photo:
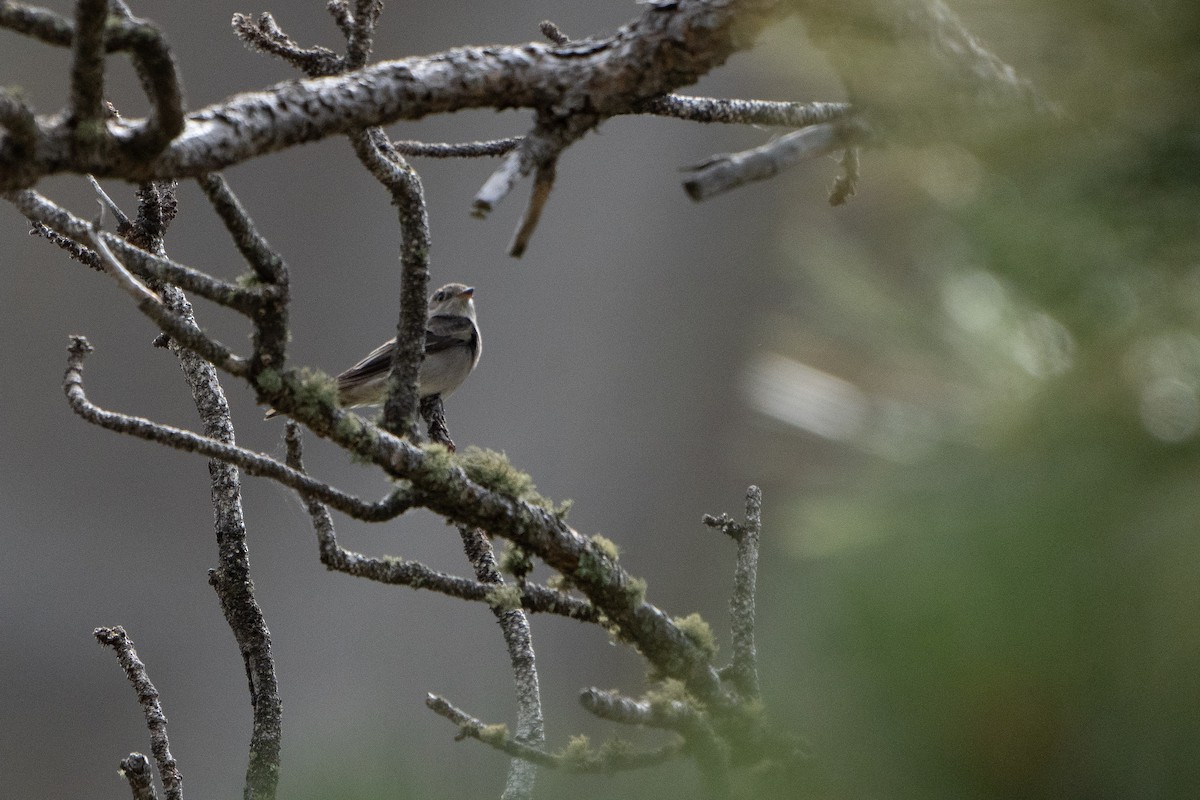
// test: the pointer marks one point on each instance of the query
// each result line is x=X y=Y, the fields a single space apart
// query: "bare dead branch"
x=156 y=71
x=38 y=23
x=495 y=147
x=543 y=183
x=743 y=112
x=743 y=671
x=434 y=413
x=359 y=39
x=613 y=760
x=84 y=255
x=374 y=151
x=553 y=32
x=86 y=114
x=135 y=671
x=17 y=149
x=518 y=639
x=271 y=319
x=135 y=768
x=395 y=504
x=124 y=223
x=725 y=172
x=710 y=753
x=673 y=715
x=266 y=37
x=145 y=265
x=399 y=572
x=603 y=77
x=91 y=138
x=116 y=270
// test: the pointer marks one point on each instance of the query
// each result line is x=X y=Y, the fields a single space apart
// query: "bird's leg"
x=434 y=415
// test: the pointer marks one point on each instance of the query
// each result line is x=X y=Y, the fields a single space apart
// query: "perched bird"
x=452 y=348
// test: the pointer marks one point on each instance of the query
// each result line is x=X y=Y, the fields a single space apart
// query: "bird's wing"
x=377 y=361
x=443 y=332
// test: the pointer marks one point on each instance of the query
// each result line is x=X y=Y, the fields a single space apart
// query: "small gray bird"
x=452 y=347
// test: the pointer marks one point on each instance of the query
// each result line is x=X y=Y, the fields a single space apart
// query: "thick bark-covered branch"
x=662 y=50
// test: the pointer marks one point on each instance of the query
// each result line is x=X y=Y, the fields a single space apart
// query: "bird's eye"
x=439 y=296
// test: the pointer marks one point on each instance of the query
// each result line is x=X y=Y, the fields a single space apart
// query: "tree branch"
x=724 y=172
x=271 y=310
x=743 y=671
x=658 y=52
x=415 y=575
x=147 y=695
x=606 y=761
x=253 y=463
x=743 y=112
x=135 y=769
x=518 y=639
x=156 y=209
x=400 y=409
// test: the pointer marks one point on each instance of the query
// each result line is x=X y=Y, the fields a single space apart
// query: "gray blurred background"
x=970 y=396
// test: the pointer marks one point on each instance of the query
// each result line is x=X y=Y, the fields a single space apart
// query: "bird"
x=452 y=348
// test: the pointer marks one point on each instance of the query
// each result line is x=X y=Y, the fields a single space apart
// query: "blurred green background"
x=972 y=398
x=1001 y=596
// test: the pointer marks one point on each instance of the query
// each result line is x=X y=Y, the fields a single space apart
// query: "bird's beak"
x=467 y=292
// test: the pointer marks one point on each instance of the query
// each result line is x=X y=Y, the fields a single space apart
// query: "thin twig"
x=271 y=321
x=84 y=255
x=543 y=184
x=146 y=265
x=499 y=183
x=538 y=153
x=124 y=223
x=743 y=671
x=116 y=270
x=710 y=753
x=742 y=602
x=553 y=32
x=395 y=504
x=265 y=36
x=116 y=638
x=497 y=736
x=180 y=329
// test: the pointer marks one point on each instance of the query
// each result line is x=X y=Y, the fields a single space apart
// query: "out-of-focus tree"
x=1004 y=586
